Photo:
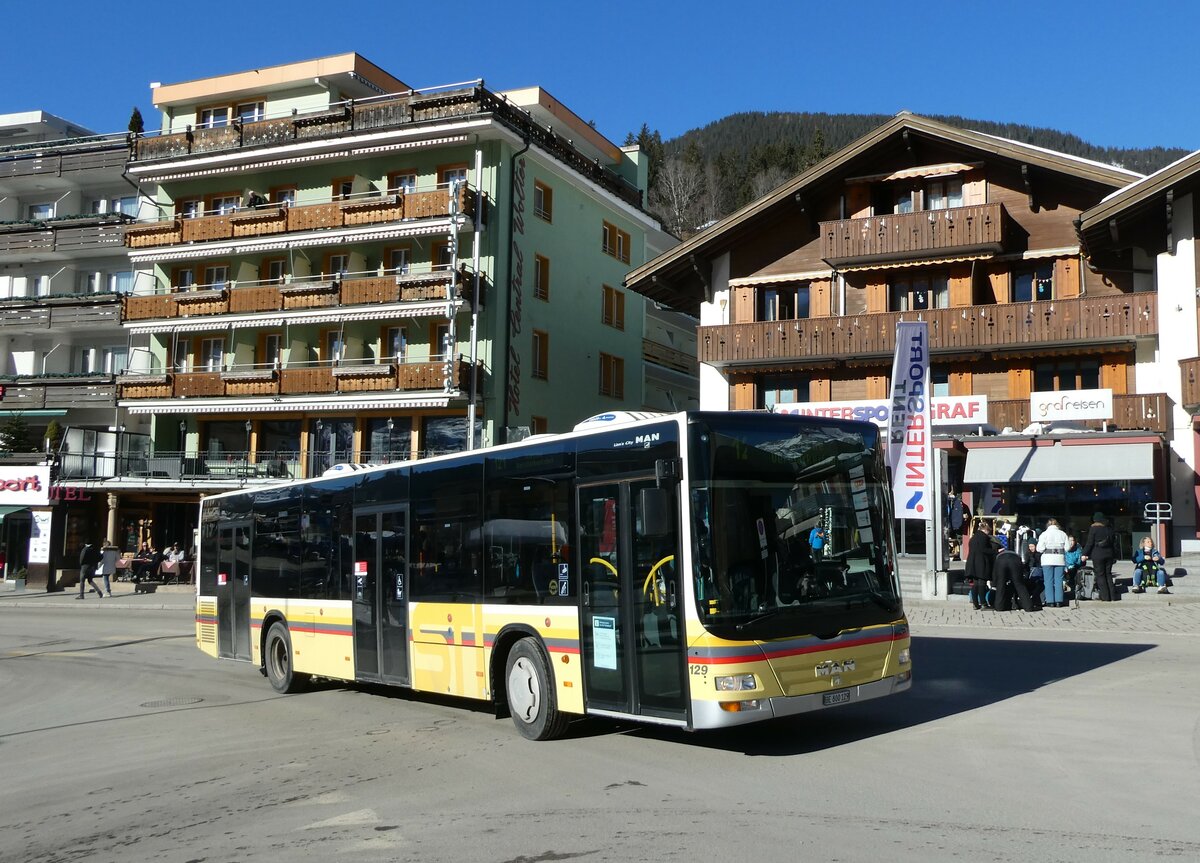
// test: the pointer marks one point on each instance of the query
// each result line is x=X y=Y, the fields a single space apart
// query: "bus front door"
x=233 y=591
x=381 y=595
x=631 y=626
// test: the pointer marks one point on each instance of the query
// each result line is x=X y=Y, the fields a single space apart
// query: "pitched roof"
x=715 y=239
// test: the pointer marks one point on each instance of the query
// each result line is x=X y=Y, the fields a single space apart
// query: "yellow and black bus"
x=655 y=569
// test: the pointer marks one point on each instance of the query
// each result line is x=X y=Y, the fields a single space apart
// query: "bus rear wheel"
x=530 y=689
x=277 y=658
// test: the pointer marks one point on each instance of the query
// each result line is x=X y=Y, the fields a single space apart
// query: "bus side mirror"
x=655 y=507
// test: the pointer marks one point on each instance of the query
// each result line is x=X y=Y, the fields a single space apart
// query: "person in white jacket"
x=1052 y=546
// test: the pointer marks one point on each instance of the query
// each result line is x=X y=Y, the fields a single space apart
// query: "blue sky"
x=1114 y=73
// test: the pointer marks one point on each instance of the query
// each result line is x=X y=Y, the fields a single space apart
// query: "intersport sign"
x=943 y=410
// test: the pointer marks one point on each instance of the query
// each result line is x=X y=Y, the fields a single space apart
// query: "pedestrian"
x=1009 y=573
x=108 y=565
x=980 y=552
x=89 y=557
x=1052 y=545
x=1072 y=564
x=1098 y=548
x=816 y=541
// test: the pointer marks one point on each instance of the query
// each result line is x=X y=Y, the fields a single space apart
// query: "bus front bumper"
x=710 y=714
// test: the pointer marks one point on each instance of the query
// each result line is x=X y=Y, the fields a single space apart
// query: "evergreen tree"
x=15 y=435
x=135 y=122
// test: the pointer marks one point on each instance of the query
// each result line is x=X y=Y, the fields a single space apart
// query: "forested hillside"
x=708 y=173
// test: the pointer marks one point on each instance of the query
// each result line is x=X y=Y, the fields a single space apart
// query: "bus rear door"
x=233 y=590
x=631 y=628
x=381 y=595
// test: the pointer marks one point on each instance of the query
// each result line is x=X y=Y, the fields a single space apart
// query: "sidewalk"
x=166 y=596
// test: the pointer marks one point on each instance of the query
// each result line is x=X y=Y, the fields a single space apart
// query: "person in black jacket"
x=89 y=557
x=980 y=551
x=1098 y=548
x=1009 y=573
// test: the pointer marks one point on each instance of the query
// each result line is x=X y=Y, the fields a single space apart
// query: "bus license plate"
x=840 y=697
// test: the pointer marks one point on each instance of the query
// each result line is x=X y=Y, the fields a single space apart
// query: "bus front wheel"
x=277 y=657
x=530 y=689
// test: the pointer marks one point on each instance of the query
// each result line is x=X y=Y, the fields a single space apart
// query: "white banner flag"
x=910 y=443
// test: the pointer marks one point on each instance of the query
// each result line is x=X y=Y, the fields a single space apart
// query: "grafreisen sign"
x=1071 y=405
x=24 y=485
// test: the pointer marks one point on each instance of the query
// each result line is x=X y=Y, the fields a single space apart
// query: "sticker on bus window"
x=399 y=586
x=360 y=567
x=564 y=580
x=604 y=639
x=222 y=579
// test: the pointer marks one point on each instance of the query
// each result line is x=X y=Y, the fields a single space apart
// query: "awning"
x=1060 y=463
x=9 y=510
x=944 y=169
x=926 y=262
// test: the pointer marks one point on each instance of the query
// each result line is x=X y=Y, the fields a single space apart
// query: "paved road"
x=1022 y=739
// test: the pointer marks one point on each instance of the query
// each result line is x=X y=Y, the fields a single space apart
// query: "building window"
x=452 y=174
x=939 y=382
x=541 y=277
x=216 y=276
x=943 y=193
x=538 y=425
x=613 y=312
x=1033 y=284
x=337 y=265
x=402 y=182
x=395 y=344
x=543 y=201
x=782 y=389
x=272 y=350
x=120 y=283
x=273 y=271
x=398 y=260
x=189 y=208
x=343 y=188
x=183 y=279
x=212 y=118
x=114 y=360
x=284 y=196
x=41 y=212
x=251 y=112
x=782 y=303
x=912 y=293
x=223 y=205
x=333 y=346
x=182 y=360
x=1072 y=375
x=439 y=342
x=541 y=355
x=212 y=351
x=441 y=255
x=615 y=242
x=612 y=376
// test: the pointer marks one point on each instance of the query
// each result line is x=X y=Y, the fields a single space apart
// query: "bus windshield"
x=792 y=526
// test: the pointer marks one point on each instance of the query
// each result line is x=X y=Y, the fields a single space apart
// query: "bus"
x=654 y=569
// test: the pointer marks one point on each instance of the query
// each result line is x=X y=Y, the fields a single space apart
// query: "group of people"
x=1039 y=569
x=96 y=560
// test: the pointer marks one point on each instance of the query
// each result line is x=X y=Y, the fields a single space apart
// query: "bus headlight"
x=736 y=683
x=902 y=657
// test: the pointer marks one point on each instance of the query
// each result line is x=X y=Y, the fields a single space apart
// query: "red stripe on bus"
x=321 y=630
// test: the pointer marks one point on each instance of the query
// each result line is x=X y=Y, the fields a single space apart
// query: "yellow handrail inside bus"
x=650 y=585
x=604 y=562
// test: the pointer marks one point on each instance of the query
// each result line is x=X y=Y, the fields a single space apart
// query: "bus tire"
x=530 y=689
x=277 y=660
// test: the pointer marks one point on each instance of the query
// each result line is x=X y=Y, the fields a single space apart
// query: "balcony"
x=1007 y=328
x=1150 y=412
x=982 y=228
x=60 y=311
x=1189 y=370
x=310 y=292
x=295 y=379
x=400 y=112
x=268 y=219
x=72 y=234
x=35 y=392
x=663 y=355
x=59 y=158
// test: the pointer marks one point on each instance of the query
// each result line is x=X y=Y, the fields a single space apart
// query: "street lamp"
x=182 y=445
x=390 y=425
x=249 y=428
x=315 y=456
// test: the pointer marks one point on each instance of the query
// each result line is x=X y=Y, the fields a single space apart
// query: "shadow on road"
x=953 y=675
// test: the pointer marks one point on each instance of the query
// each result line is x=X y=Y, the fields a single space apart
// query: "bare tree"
x=767 y=181
x=680 y=195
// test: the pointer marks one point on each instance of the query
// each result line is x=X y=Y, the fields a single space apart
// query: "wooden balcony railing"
x=1189 y=371
x=1150 y=412
x=273 y=219
x=381 y=113
x=905 y=236
x=67 y=236
x=660 y=354
x=20 y=314
x=65 y=157
x=296 y=380
x=32 y=392
x=1094 y=320
x=316 y=293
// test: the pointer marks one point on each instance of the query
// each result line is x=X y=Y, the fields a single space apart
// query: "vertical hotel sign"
x=909 y=442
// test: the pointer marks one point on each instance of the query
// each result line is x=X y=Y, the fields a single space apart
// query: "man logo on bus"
x=830 y=666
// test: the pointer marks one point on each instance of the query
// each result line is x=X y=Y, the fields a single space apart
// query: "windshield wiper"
x=766 y=615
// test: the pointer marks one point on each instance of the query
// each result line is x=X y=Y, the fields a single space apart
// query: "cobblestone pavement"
x=1132 y=614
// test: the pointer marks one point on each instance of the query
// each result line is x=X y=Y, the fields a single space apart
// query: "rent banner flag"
x=910 y=452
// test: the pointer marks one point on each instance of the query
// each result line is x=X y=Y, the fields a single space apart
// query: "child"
x=1146 y=559
x=1072 y=556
